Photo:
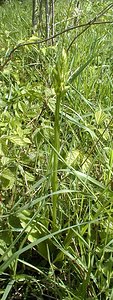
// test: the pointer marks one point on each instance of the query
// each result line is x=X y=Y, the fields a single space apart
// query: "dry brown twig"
x=92 y=22
x=86 y=25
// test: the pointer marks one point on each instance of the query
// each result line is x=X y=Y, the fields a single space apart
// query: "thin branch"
x=91 y=22
x=48 y=39
x=47 y=19
x=87 y=25
x=52 y=15
x=34 y=15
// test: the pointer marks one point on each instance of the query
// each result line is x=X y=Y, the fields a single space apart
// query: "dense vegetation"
x=56 y=151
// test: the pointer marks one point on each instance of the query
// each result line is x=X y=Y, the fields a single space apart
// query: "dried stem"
x=86 y=25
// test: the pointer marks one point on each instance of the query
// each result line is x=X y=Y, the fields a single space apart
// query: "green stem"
x=55 y=160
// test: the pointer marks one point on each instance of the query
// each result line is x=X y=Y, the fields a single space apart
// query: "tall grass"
x=56 y=159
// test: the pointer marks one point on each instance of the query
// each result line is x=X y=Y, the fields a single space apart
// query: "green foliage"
x=56 y=152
